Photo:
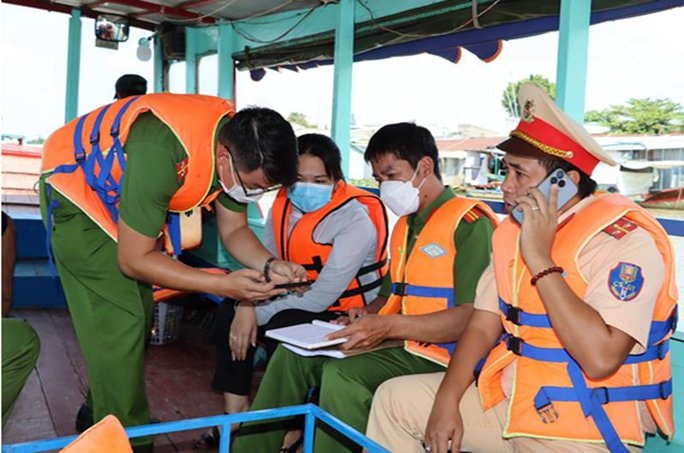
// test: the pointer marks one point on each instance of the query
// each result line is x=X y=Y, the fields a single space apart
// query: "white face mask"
x=236 y=192
x=401 y=196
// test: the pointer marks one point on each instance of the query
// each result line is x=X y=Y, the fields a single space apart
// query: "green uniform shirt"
x=151 y=178
x=473 y=243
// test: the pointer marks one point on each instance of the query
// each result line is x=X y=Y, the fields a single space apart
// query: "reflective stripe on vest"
x=299 y=245
x=425 y=282
x=568 y=405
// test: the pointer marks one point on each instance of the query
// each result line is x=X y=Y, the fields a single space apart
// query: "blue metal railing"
x=311 y=413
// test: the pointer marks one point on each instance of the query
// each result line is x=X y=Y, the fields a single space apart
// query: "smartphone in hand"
x=566 y=190
x=294 y=284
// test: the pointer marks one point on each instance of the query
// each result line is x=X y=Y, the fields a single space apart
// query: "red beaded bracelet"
x=544 y=273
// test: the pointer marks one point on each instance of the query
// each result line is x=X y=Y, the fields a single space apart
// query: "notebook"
x=307 y=336
x=340 y=354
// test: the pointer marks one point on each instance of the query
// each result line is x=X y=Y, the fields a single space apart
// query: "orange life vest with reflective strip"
x=544 y=400
x=424 y=283
x=299 y=245
x=194 y=120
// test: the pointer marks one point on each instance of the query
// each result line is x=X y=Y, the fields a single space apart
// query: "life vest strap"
x=592 y=409
x=315 y=265
x=362 y=289
x=557 y=355
x=52 y=205
x=173 y=229
x=372 y=267
x=406 y=289
x=658 y=332
x=517 y=316
x=605 y=395
x=661 y=329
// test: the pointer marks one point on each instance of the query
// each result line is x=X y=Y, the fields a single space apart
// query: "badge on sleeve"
x=625 y=281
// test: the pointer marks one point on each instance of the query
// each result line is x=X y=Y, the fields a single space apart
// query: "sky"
x=633 y=58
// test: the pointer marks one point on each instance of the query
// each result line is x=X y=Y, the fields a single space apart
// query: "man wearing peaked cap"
x=579 y=302
x=546 y=132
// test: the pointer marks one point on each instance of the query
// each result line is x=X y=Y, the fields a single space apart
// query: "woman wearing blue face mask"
x=337 y=232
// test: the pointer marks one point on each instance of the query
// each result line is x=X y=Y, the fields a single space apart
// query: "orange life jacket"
x=551 y=397
x=106 y=435
x=424 y=283
x=300 y=246
x=87 y=159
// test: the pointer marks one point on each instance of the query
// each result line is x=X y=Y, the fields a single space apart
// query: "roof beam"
x=66 y=9
x=167 y=10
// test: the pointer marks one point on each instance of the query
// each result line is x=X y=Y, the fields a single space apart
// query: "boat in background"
x=665 y=199
x=20 y=174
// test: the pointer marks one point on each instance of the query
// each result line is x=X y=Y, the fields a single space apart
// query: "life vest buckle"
x=602 y=395
x=664 y=389
x=400 y=289
x=514 y=344
x=513 y=314
x=95 y=138
x=675 y=318
x=663 y=350
x=548 y=413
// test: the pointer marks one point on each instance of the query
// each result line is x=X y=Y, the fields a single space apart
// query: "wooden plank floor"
x=177 y=375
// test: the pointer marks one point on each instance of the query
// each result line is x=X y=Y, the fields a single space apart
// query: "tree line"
x=636 y=116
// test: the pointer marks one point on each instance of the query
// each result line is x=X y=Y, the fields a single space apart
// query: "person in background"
x=579 y=301
x=438 y=249
x=9 y=259
x=130 y=85
x=20 y=343
x=337 y=232
x=169 y=155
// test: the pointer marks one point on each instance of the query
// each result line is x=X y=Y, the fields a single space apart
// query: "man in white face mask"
x=438 y=249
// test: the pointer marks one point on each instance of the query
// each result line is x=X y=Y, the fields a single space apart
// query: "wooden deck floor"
x=177 y=375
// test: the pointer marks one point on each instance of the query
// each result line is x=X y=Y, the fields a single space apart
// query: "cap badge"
x=527 y=113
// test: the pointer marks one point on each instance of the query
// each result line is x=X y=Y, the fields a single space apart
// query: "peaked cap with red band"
x=546 y=131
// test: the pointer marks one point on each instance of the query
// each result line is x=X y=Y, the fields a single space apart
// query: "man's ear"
x=221 y=151
x=575 y=176
x=428 y=165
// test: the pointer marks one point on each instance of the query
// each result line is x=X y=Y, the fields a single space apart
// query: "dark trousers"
x=235 y=376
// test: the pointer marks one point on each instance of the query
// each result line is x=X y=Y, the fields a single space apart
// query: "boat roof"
x=383 y=29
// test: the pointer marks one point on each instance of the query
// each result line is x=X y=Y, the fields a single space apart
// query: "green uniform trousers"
x=346 y=391
x=20 y=348
x=111 y=314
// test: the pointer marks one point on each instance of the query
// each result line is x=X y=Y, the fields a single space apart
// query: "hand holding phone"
x=566 y=190
x=291 y=285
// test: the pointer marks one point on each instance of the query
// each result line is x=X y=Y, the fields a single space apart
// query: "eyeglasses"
x=250 y=192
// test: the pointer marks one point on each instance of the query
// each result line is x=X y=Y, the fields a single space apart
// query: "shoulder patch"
x=625 y=281
x=181 y=169
x=472 y=215
x=620 y=228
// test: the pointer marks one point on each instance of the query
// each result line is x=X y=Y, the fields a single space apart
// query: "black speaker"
x=173 y=41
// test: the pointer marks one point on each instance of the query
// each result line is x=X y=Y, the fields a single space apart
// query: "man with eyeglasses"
x=112 y=181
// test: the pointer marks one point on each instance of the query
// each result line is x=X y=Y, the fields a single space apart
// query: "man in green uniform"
x=20 y=343
x=405 y=161
x=107 y=283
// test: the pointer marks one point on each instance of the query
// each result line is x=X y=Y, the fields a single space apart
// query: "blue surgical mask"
x=308 y=196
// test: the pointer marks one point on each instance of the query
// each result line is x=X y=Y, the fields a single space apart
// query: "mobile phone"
x=293 y=284
x=566 y=190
